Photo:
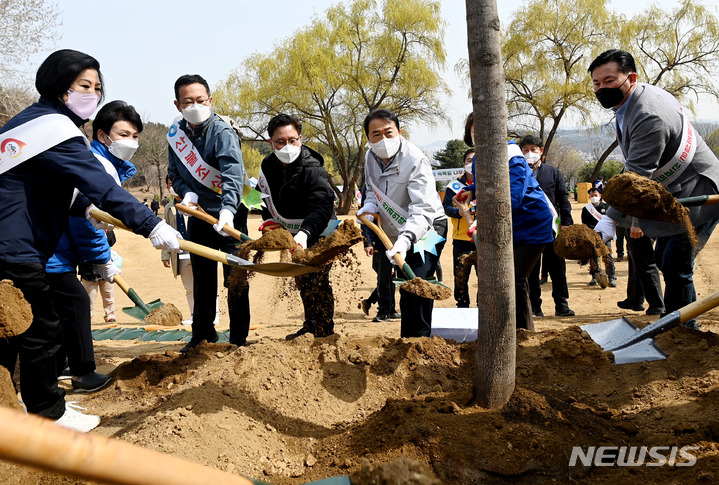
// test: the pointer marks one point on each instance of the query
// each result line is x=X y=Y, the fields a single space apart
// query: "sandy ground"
x=291 y=412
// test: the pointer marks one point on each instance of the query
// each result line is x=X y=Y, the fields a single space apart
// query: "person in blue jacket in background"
x=118 y=125
x=531 y=221
x=44 y=157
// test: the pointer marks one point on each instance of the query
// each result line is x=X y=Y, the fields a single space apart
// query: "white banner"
x=446 y=174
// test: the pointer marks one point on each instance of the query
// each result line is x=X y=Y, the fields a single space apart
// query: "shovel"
x=200 y=214
x=141 y=309
x=630 y=344
x=699 y=200
x=272 y=269
x=401 y=262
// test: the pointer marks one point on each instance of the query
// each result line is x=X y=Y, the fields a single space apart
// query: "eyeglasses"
x=189 y=102
x=281 y=142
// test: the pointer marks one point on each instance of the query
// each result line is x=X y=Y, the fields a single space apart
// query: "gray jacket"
x=650 y=138
x=408 y=181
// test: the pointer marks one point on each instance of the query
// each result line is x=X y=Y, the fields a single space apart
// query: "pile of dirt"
x=581 y=243
x=425 y=289
x=292 y=412
x=167 y=315
x=15 y=311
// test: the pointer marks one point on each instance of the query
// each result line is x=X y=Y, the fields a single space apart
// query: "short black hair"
x=594 y=189
x=186 y=80
x=112 y=112
x=384 y=114
x=57 y=73
x=531 y=140
x=283 y=119
x=468 y=124
x=623 y=58
x=471 y=150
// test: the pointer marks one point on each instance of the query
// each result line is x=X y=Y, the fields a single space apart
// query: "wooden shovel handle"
x=388 y=244
x=105 y=217
x=699 y=200
x=38 y=442
x=700 y=306
x=202 y=215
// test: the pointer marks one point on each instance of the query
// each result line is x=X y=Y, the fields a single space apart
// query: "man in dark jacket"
x=592 y=213
x=298 y=197
x=554 y=187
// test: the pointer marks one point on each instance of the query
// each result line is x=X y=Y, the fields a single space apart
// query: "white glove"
x=368 y=208
x=301 y=239
x=101 y=225
x=108 y=271
x=226 y=217
x=165 y=237
x=401 y=246
x=190 y=198
x=606 y=227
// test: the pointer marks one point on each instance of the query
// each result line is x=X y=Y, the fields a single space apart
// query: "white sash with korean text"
x=34 y=137
x=670 y=171
x=207 y=175
x=593 y=211
x=292 y=225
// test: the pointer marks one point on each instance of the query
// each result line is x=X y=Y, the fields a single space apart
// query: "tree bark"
x=600 y=162
x=494 y=378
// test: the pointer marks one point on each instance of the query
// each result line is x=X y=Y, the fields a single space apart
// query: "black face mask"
x=610 y=97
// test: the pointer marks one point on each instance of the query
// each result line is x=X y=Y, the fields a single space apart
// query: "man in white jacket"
x=401 y=189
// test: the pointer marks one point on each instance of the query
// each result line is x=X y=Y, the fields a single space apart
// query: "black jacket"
x=301 y=190
x=587 y=217
x=552 y=183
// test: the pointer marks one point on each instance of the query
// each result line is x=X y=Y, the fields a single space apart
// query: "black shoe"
x=620 y=259
x=654 y=311
x=394 y=316
x=381 y=317
x=564 y=312
x=365 y=305
x=543 y=280
x=94 y=381
x=692 y=324
x=195 y=342
x=593 y=282
x=298 y=333
x=65 y=374
x=627 y=305
x=539 y=313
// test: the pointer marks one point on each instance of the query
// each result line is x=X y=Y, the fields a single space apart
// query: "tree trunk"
x=494 y=371
x=600 y=162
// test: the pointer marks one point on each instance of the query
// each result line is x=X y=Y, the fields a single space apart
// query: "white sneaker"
x=187 y=323
x=74 y=419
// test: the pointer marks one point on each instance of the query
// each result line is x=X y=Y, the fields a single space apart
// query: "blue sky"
x=143 y=46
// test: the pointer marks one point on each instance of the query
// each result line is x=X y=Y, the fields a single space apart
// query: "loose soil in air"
x=579 y=242
x=15 y=311
x=167 y=315
x=641 y=197
x=330 y=248
x=288 y=413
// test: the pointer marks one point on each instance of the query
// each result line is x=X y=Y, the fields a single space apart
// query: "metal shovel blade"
x=613 y=336
x=139 y=312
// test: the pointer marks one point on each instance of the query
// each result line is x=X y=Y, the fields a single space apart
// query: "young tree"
x=151 y=158
x=332 y=73
x=494 y=370
x=452 y=155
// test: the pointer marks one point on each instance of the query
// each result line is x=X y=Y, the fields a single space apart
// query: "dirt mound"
x=291 y=412
x=15 y=311
x=167 y=315
x=579 y=242
x=423 y=288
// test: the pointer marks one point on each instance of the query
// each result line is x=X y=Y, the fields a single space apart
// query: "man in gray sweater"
x=658 y=142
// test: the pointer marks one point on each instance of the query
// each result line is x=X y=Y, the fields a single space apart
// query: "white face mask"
x=172 y=191
x=386 y=147
x=288 y=153
x=124 y=148
x=468 y=169
x=595 y=200
x=196 y=113
x=532 y=157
